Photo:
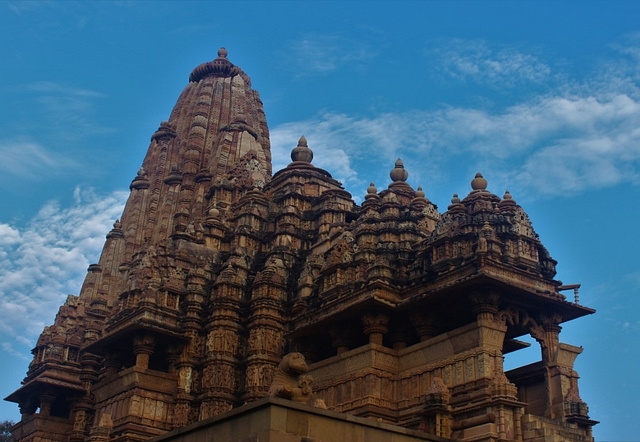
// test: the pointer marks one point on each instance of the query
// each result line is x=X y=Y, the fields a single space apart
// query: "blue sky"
x=542 y=97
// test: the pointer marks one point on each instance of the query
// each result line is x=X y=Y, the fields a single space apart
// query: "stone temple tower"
x=217 y=269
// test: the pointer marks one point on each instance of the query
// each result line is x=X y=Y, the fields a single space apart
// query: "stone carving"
x=263 y=340
x=222 y=340
x=180 y=414
x=80 y=423
x=290 y=382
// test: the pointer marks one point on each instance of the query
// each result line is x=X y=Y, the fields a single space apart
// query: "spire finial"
x=479 y=183
x=398 y=173
x=372 y=192
x=222 y=53
x=302 y=152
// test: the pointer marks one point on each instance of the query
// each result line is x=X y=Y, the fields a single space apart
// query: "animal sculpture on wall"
x=291 y=382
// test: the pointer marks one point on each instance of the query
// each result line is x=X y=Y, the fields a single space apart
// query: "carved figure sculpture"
x=290 y=382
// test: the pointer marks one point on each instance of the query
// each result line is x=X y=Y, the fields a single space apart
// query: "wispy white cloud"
x=51 y=87
x=27 y=159
x=550 y=146
x=68 y=112
x=316 y=54
x=478 y=61
x=339 y=142
x=44 y=261
x=25 y=6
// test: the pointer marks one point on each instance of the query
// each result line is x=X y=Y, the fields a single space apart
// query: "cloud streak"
x=316 y=54
x=577 y=138
x=476 y=60
x=47 y=259
x=25 y=159
x=552 y=146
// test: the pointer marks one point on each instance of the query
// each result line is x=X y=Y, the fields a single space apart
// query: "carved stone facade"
x=217 y=269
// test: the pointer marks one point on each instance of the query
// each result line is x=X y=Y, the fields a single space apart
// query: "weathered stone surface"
x=217 y=269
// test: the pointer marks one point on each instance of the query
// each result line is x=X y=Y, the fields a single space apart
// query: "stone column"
x=79 y=422
x=375 y=325
x=551 y=327
x=102 y=431
x=143 y=349
x=266 y=330
x=341 y=337
x=485 y=305
x=26 y=409
x=424 y=325
x=112 y=362
x=46 y=401
x=399 y=336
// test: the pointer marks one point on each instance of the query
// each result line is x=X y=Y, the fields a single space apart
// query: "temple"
x=218 y=268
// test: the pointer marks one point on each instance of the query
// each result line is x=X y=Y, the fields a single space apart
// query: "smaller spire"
x=398 y=173
x=372 y=192
x=222 y=53
x=479 y=183
x=116 y=232
x=419 y=199
x=456 y=206
x=507 y=203
x=166 y=130
x=140 y=181
x=213 y=212
x=240 y=118
x=175 y=176
x=302 y=152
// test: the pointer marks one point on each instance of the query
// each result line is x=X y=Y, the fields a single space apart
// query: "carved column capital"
x=375 y=325
x=341 y=337
x=27 y=408
x=485 y=304
x=551 y=323
x=400 y=335
x=143 y=349
x=46 y=401
x=425 y=325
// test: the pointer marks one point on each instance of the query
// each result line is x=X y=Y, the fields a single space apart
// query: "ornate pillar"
x=80 y=415
x=399 y=335
x=375 y=325
x=436 y=416
x=219 y=377
x=485 y=305
x=46 y=401
x=143 y=349
x=518 y=413
x=424 y=325
x=266 y=331
x=102 y=431
x=551 y=327
x=112 y=363
x=27 y=408
x=341 y=337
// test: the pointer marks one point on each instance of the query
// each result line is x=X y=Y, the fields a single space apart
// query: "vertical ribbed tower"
x=154 y=340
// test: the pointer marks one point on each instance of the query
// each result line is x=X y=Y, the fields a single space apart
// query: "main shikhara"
x=218 y=268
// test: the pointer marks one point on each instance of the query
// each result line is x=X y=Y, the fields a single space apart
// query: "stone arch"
x=515 y=316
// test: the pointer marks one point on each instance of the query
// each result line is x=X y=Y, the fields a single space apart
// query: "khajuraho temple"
x=231 y=303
